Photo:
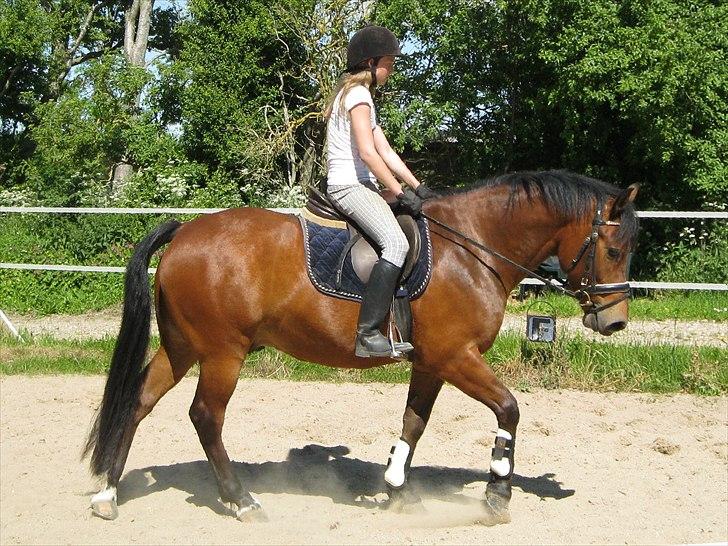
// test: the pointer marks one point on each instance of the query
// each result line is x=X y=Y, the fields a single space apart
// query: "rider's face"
x=384 y=68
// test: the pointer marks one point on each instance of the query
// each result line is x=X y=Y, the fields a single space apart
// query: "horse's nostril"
x=616 y=326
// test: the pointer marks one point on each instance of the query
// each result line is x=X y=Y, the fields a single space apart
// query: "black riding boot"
x=374 y=309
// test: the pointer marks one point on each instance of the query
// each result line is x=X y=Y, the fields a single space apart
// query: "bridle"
x=588 y=286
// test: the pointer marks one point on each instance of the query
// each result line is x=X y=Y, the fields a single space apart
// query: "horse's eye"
x=613 y=253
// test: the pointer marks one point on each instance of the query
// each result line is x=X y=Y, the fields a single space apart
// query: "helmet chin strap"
x=373 y=70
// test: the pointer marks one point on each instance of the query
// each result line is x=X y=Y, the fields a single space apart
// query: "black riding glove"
x=410 y=203
x=424 y=193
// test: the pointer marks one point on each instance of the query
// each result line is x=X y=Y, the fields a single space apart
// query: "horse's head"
x=597 y=263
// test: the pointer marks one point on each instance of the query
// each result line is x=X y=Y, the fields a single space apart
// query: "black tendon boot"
x=374 y=309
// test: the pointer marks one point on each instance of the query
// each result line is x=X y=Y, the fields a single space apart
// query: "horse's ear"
x=625 y=197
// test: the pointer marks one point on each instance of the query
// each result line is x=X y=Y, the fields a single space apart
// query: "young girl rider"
x=359 y=156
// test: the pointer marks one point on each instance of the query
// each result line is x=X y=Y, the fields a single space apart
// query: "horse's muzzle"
x=604 y=324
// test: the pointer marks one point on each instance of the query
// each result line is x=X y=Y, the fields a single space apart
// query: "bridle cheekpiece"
x=588 y=286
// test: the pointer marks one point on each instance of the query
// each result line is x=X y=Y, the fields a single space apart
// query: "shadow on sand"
x=321 y=471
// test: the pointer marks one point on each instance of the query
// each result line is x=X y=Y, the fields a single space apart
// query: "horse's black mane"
x=566 y=194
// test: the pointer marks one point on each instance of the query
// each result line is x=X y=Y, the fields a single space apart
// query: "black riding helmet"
x=371 y=42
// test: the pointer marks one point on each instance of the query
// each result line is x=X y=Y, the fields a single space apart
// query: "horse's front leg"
x=423 y=391
x=469 y=373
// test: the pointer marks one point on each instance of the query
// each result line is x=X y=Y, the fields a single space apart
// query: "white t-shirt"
x=345 y=166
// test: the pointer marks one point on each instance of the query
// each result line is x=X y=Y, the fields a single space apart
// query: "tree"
x=646 y=82
x=43 y=46
x=67 y=84
x=631 y=92
x=320 y=29
x=137 y=22
x=42 y=42
x=227 y=74
x=467 y=102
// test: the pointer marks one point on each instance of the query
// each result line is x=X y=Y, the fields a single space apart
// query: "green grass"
x=694 y=305
x=46 y=355
x=672 y=305
x=571 y=362
x=273 y=364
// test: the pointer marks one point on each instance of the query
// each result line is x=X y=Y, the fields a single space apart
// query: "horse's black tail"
x=126 y=373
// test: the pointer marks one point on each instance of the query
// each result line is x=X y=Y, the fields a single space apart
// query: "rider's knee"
x=396 y=250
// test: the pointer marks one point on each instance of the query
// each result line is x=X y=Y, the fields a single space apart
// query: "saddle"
x=363 y=253
x=340 y=257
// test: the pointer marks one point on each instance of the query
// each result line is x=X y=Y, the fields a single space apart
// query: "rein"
x=588 y=286
x=476 y=244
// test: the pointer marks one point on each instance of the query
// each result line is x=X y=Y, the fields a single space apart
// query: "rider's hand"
x=424 y=193
x=410 y=203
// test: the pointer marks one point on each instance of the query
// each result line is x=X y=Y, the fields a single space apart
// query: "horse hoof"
x=495 y=517
x=105 y=509
x=412 y=509
x=404 y=501
x=103 y=503
x=497 y=498
x=250 y=513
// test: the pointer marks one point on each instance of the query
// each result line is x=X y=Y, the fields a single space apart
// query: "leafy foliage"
x=77 y=239
x=647 y=79
x=698 y=254
x=629 y=92
x=243 y=100
x=227 y=110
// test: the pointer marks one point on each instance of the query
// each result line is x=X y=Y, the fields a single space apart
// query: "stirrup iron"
x=399 y=347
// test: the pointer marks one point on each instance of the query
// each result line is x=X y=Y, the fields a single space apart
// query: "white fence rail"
x=172 y=210
x=114 y=210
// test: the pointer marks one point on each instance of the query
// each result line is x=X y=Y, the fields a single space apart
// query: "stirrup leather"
x=399 y=346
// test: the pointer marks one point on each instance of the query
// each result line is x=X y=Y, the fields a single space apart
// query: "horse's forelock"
x=629 y=226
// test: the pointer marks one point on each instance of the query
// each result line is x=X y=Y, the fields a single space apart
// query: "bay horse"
x=235 y=281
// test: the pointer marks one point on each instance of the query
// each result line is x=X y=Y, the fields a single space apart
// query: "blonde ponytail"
x=347 y=82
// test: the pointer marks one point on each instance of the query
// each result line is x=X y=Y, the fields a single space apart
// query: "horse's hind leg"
x=161 y=375
x=218 y=378
x=423 y=391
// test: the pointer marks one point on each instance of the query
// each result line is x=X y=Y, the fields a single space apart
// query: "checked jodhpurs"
x=363 y=204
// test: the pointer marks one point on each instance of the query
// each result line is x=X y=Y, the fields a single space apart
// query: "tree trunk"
x=120 y=174
x=68 y=52
x=137 y=21
x=308 y=168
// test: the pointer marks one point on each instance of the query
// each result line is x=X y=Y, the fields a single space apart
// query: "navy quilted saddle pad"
x=324 y=246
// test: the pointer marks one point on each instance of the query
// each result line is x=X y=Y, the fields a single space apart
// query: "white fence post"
x=10 y=326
